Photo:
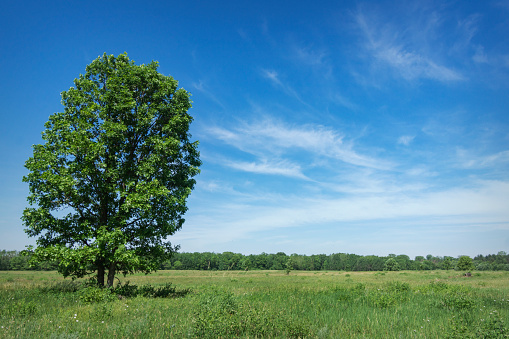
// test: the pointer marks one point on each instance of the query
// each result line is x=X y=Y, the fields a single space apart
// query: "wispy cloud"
x=480 y=206
x=310 y=56
x=283 y=168
x=406 y=139
x=386 y=45
x=202 y=87
x=343 y=101
x=274 y=78
x=315 y=58
x=470 y=160
x=272 y=137
x=480 y=56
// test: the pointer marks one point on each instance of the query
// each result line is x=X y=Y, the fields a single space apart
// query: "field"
x=261 y=304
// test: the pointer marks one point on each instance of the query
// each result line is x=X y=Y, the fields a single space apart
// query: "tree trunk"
x=100 y=274
x=111 y=274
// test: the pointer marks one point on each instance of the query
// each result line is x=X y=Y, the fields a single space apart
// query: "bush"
x=149 y=291
x=95 y=294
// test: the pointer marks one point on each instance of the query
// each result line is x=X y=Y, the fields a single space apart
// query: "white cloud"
x=406 y=139
x=468 y=159
x=271 y=137
x=202 y=86
x=310 y=57
x=273 y=76
x=343 y=101
x=387 y=46
x=480 y=56
x=483 y=205
x=284 y=168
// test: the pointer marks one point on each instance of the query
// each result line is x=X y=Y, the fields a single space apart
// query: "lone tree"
x=465 y=263
x=110 y=183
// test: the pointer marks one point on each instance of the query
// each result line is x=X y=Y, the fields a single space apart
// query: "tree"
x=465 y=264
x=447 y=263
x=110 y=183
x=391 y=264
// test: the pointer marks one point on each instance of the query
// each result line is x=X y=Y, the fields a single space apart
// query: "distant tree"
x=290 y=264
x=5 y=259
x=391 y=265
x=177 y=265
x=465 y=264
x=279 y=261
x=447 y=264
x=404 y=261
x=110 y=183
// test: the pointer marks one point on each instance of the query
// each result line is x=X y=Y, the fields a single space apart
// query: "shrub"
x=149 y=291
x=383 y=299
x=398 y=287
x=127 y=290
x=95 y=294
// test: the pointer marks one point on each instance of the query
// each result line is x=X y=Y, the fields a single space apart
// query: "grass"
x=263 y=304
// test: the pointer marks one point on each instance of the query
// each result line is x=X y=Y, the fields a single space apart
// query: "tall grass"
x=261 y=304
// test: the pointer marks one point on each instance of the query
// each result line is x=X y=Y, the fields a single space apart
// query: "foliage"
x=493 y=327
x=391 y=265
x=149 y=291
x=110 y=183
x=9 y=260
x=93 y=294
x=465 y=263
x=391 y=294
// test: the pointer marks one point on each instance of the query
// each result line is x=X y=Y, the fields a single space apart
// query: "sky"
x=365 y=127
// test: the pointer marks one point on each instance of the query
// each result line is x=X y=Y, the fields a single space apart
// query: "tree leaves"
x=120 y=162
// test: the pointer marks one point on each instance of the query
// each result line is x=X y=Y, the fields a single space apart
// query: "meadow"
x=259 y=304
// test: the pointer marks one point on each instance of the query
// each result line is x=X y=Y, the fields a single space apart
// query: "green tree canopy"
x=110 y=182
x=465 y=263
x=391 y=264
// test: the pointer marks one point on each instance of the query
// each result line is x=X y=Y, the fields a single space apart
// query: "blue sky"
x=361 y=127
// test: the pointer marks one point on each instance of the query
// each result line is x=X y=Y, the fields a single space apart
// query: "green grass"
x=263 y=304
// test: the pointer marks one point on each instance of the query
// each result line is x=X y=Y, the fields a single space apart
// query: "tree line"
x=14 y=260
